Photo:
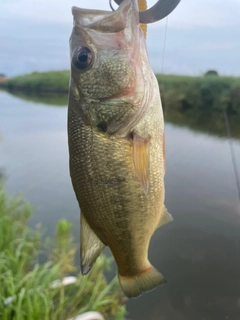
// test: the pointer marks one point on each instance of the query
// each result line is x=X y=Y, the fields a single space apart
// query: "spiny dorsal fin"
x=141 y=155
x=165 y=218
x=91 y=246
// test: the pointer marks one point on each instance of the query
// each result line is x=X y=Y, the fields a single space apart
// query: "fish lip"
x=92 y=17
x=86 y=17
x=77 y=10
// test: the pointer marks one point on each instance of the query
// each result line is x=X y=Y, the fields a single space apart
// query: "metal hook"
x=111 y=6
x=159 y=11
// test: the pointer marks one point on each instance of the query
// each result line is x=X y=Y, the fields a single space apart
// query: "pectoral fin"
x=166 y=217
x=91 y=246
x=141 y=159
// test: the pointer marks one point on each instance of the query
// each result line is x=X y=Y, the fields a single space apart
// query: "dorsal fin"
x=90 y=247
x=141 y=159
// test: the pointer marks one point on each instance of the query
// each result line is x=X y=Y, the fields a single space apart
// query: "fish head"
x=108 y=55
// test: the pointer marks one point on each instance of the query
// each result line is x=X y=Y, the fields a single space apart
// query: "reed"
x=26 y=285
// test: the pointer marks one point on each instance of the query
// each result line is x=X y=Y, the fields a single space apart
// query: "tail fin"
x=147 y=280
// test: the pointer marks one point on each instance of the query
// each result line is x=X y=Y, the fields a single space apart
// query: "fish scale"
x=116 y=147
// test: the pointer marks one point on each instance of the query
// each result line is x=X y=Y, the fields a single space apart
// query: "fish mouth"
x=87 y=17
x=106 y=21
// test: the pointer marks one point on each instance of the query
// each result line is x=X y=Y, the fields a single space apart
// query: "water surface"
x=199 y=253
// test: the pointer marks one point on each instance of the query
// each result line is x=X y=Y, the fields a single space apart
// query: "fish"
x=116 y=143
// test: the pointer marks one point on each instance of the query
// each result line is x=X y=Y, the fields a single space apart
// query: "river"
x=198 y=253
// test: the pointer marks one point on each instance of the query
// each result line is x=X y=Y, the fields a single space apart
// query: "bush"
x=200 y=93
x=211 y=73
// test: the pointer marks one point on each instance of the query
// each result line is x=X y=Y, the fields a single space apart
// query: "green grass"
x=26 y=290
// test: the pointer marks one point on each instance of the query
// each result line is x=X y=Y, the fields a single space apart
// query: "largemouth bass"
x=116 y=143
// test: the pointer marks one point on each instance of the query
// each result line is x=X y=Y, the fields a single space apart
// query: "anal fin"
x=141 y=159
x=91 y=246
x=166 y=217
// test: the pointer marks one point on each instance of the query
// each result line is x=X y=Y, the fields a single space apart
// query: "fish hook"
x=111 y=6
x=157 y=12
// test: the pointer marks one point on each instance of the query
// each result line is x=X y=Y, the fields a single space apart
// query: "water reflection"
x=208 y=121
x=57 y=100
x=199 y=253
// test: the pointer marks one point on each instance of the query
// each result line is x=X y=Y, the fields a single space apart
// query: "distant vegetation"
x=197 y=102
x=211 y=73
x=200 y=93
x=32 y=290
x=179 y=92
x=48 y=82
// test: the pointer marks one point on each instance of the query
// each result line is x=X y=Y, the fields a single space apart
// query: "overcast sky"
x=201 y=35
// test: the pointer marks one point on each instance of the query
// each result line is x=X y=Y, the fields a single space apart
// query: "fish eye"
x=83 y=59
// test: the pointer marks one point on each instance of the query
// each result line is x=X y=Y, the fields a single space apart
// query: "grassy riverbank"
x=217 y=93
x=30 y=289
x=178 y=92
x=52 y=82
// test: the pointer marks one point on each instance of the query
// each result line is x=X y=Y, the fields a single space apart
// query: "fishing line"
x=162 y=82
x=235 y=169
x=232 y=152
x=164 y=42
x=227 y=124
x=111 y=6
